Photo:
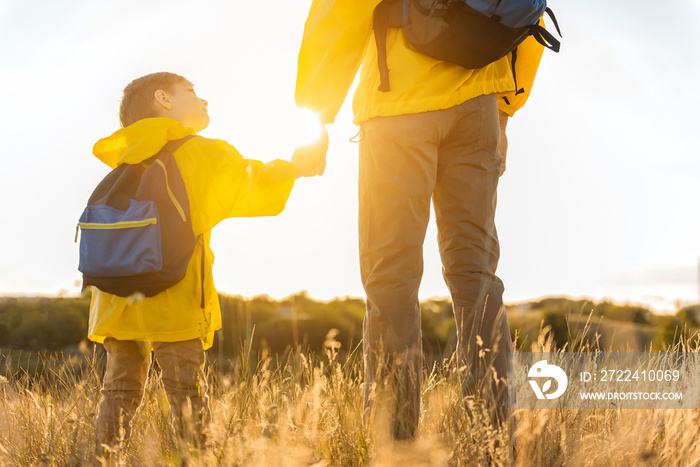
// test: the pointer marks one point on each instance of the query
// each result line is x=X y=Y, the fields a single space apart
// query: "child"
x=178 y=323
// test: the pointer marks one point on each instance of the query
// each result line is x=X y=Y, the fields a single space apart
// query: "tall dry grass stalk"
x=306 y=410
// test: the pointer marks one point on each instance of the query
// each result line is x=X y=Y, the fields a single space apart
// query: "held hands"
x=503 y=121
x=310 y=159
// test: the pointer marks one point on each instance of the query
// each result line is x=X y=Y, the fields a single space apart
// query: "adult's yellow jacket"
x=220 y=183
x=338 y=38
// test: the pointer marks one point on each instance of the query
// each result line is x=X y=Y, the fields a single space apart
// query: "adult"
x=438 y=134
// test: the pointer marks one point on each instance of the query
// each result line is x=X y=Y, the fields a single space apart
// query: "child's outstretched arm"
x=221 y=183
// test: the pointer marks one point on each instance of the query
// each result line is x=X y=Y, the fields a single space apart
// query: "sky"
x=599 y=200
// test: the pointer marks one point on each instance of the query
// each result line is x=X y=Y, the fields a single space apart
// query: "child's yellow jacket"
x=220 y=184
x=338 y=38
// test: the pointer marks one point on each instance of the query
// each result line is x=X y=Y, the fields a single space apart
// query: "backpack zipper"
x=114 y=225
x=170 y=193
x=118 y=225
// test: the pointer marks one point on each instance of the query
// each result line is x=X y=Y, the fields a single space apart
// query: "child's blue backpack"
x=470 y=33
x=136 y=229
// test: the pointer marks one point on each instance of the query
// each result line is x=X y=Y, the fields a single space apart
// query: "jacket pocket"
x=118 y=243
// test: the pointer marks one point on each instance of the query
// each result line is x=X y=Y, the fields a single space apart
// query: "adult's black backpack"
x=136 y=229
x=470 y=33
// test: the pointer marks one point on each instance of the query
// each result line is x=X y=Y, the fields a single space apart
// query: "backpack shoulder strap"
x=169 y=148
x=544 y=37
x=386 y=15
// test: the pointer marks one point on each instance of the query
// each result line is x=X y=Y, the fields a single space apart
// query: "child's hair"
x=137 y=98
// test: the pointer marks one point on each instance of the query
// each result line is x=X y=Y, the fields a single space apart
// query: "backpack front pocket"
x=118 y=243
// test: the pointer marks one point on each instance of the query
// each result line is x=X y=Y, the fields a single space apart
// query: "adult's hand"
x=310 y=159
x=503 y=121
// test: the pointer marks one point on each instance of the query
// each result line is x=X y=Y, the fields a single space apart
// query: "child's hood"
x=139 y=141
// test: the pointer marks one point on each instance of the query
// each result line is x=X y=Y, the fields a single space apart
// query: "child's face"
x=184 y=106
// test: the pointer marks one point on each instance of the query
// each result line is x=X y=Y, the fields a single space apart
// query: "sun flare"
x=307 y=127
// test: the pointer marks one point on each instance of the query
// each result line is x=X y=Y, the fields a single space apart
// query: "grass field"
x=299 y=409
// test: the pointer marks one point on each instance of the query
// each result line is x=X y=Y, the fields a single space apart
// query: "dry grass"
x=305 y=410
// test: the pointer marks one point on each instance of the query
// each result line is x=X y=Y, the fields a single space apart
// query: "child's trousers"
x=182 y=371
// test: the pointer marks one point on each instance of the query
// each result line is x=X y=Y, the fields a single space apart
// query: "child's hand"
x=310 y=159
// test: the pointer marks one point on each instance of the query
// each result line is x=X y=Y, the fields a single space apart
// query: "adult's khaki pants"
x=182 y=373
x=451 y=156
